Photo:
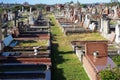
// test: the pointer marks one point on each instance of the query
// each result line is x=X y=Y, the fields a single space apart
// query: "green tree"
x=18 y=7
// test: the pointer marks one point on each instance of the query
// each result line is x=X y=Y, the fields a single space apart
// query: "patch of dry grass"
x=86 y=37
x=34 y=43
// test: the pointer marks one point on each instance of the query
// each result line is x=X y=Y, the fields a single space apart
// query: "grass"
x=33 y=43
x=86 y=36
x=113 y=22
x=10 y=23
x=66 y=65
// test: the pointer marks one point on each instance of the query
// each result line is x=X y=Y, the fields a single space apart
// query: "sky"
x=53 y=1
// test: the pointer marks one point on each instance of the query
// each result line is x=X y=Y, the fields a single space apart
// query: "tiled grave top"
x=101 y=47
x=100 y=63
x=102 y=60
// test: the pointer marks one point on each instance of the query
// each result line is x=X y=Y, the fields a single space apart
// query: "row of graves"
x=73 y=20
x=94 y=55
x=25 y=51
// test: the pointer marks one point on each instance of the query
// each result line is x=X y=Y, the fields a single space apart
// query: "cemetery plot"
x=31 y=43
x=22 y=67
x=75 y=27
x=26 y=53
x=23 y=75
x=62 y=20
x=34 y=60
x=74 y=30
x=95 y=56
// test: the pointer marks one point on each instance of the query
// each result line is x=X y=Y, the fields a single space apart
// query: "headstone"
x=4 y=18
x=112 y=37
x=104 y=27
x=115 y=13
x=22 y=9
x=117 y=32
x=31 y=19
x=94 y=11
x=92 y=26
x=16 y=15
x=30 y=10
x=87 y=21
x=106 y=11
x=1 y=44
x=80 y=17
x=9 y=16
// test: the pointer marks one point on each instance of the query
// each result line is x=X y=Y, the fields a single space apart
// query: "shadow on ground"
x=57 y=73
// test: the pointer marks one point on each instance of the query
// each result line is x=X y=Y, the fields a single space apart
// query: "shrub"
x=110 y=74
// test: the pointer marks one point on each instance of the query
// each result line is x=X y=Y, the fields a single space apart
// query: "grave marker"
x=117 y=32
x=115 y=13
x=104 y=27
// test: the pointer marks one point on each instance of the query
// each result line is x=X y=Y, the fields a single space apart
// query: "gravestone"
x=92 y=26
x=106 y=10
x=16 y=16
x=86 y=22
x=117 y=32
x=9 y=16
x=115 y=13
x=68 y=15
x=111 y=37
x=4 y=18
x=22 y=9
x=76 y=15
x=30 y=10
x=104 y=27
x=94 y=11
x=1 y=44
x=31 y=19
x=80 y=17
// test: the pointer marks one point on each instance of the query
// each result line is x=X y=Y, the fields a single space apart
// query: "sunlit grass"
x=33 y=43
x=10 y=23
x=86 y=37
x=66 y=65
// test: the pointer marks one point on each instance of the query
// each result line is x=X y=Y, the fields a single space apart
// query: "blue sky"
x=52 y=1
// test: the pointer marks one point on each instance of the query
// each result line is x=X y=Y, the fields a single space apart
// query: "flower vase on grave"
x=96 y=54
